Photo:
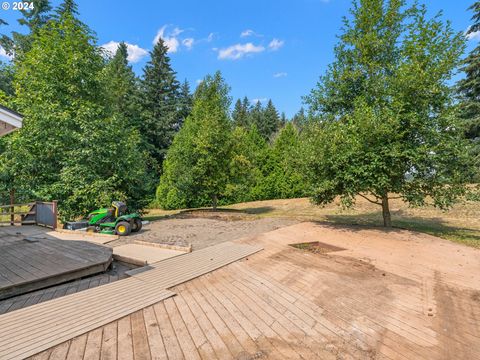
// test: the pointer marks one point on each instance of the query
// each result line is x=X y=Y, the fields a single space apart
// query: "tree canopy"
x=195 y=171
x=385 y=121
x=71 y=147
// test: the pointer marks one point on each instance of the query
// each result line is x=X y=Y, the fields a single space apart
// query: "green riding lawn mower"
x=114 y=221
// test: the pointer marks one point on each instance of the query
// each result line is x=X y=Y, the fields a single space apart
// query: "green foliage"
x=121 y=88
x=185 y=103
x=469 y=88
x=241 y=113
x=289 y=181
x=71 y=148
x=300 y=119
x=270 y=121
x=6 y=79
x=250 y=154
x=384 y=111
x=194 y=173
x=160 y=94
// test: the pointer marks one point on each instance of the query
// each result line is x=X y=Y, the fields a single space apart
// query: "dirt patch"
x=203 y=229
x=317 y=247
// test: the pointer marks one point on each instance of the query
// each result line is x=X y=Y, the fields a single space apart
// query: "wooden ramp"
x=39 y=327
x=30 y=259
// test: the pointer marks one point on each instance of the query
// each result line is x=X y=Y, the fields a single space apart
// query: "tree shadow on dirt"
x=431 y=225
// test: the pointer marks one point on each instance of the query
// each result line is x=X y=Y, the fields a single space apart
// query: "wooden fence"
x=35 y=213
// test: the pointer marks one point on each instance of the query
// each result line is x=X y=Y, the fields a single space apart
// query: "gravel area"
x=202 y=232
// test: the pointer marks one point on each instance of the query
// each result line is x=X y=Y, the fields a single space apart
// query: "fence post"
x=12 y=207
x=55 y=214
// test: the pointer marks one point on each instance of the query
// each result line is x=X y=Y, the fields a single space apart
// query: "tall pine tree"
x=240 y=114
x=469 y=87
x=160 y=101
x=271 y=121
x=122 y=87
x=185 y=103
x=256 y=115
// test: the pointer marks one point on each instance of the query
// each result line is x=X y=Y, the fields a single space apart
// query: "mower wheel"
x=137 y=225
x=123 y=228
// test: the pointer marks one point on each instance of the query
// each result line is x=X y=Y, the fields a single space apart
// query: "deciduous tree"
x=386 y=126
x=196 y=168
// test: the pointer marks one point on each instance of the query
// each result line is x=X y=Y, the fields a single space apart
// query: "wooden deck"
x=33 y=329
x=285 y=303
x=31 y=259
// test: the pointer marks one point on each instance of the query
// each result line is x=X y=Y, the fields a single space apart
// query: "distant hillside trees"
x=386 y=125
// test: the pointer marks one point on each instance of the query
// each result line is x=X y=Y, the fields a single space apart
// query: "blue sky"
x=265 y=49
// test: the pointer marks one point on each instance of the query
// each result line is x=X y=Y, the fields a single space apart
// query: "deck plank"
x=125 y=344
x=38 y=327
x=28 y=266
x=139 y=336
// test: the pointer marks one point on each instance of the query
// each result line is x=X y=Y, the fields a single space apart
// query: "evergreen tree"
x=195 y=171
x=240 y=112
x=256 y=116
x=185 y=102
x=122 y=87
x=160 y=94
x=469 y=87
x=283 y=120
x=70 y=148
x=386 y=126
x=271 y=121
x=300 y=119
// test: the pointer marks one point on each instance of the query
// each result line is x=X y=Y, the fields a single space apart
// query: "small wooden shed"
x=9 y=120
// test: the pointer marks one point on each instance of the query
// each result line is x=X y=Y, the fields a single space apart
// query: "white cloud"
x=135 y=52
x=210 y=37
x=170 y=40
x=188 y=42
x=199 y=81
x=261 y=100
x=247 y=32
x=275 y=44
x=238 y=51
x=4 y=54
x=472 y=36
x=280 y=74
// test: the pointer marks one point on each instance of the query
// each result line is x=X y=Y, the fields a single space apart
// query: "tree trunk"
x=387 y=220
x=214 y=202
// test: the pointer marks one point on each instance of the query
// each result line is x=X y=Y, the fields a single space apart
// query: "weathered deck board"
x=31 y=265
x=31 y=330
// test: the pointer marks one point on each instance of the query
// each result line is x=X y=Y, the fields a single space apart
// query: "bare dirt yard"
x=205 y=228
